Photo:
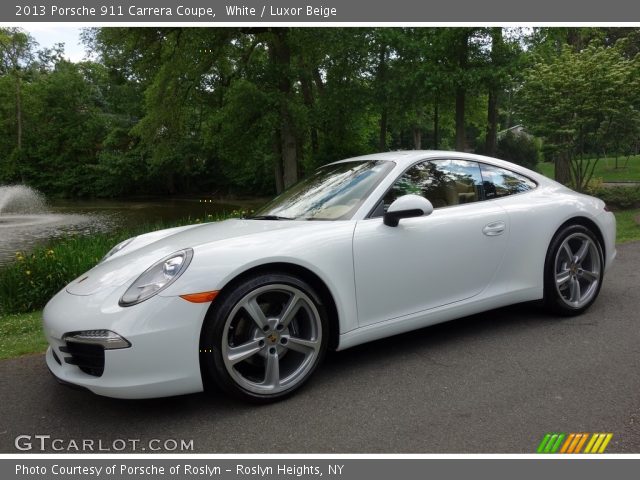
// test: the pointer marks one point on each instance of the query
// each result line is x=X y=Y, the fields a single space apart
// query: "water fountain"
x=20 y=199
x=25 y=220
x=21 y=206
x=28 y=219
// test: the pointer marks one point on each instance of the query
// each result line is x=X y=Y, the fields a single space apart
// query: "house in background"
x=516 y=130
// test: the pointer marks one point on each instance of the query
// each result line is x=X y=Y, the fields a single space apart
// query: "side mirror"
x=407 y=206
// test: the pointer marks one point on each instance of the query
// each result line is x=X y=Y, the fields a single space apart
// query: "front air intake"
x=87 y=349
x=87 y=357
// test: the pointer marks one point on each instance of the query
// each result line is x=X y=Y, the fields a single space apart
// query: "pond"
x=26 y=219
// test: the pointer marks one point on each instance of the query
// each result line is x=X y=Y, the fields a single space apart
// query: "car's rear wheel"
x=573 y=270
x=265 y=338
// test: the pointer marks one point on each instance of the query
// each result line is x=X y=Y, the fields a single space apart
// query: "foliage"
x=583 y=104
x=522 y=149
x=619 y=197
x=237 y=110
x=173 y=110
x=33 y=278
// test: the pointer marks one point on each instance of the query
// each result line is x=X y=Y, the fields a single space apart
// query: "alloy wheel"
x=271 y=339
x=577 y=270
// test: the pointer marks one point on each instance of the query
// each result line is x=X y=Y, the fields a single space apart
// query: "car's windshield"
x=333 y=192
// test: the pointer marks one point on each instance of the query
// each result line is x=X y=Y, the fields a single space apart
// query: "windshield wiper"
x=269 y=217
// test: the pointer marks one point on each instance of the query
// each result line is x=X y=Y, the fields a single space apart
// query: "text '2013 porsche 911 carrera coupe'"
x=362 y=249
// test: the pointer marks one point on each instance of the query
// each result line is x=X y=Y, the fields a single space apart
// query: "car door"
x=426 y=262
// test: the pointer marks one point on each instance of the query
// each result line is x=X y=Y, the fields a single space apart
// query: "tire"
x=573 y=272
x=264 y=337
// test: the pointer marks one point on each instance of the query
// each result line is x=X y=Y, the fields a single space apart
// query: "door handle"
x=494 y=228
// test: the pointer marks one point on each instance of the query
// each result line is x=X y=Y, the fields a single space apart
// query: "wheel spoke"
x=582 y=251
x=302 y=345
x=294 y=304
x=563 y=277
x=591 y=276
x=272 y=370
x=567 y=251
x=574 y=291
x=255 y=312
x=244 y=351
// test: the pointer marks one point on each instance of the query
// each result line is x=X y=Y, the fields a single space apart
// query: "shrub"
x=33 y=278
x=27 y=283
x=521 y=149
x=618 y=197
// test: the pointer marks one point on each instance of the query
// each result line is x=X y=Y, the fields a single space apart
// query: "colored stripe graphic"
x=543 y=443
x=581 y=443
x=574 y=442
x=556 y=446
x=605 y=443
x=598 y=443
x=551 y=443
x=591 y=442
x=565 y=447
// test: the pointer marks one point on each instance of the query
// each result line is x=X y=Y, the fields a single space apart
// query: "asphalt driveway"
x=495 y=382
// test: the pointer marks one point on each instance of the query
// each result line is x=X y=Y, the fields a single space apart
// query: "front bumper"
x=164 y=332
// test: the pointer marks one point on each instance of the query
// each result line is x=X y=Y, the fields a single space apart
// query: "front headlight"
x=156 y=278
x=117 y=248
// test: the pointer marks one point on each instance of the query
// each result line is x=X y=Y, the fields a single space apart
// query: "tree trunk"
x=307 y=95
x=317 y=79
x=280 y=55
x=382 y=141
x=277 y=164
x=563 y=168
x=417 y=138
x=491 y=140
x=19 y=110
x=289 y=149
x=574 y=38
x=436 y=126
x=382 y=71
x=463 y=53
x=461 y=142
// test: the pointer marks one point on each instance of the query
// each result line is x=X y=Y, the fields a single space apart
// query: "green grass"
x=21 y=334
x=628 y=227
x=605 y=169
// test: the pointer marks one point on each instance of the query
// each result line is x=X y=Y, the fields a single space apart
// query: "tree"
x=577 y=100
x=16 y=57
x=169 y=110
x=461 y=45
x=419 y=87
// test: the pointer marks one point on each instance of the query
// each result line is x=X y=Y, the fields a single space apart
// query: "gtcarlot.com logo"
x=47 y=443
x=574 y=442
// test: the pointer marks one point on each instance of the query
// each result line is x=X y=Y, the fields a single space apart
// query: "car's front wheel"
x=265 y=337
x=573 y=270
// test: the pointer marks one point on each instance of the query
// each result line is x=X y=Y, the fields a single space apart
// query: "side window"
x=499 y=182
x=443 y=182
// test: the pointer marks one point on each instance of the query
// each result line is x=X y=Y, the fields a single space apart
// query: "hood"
x=147 y=249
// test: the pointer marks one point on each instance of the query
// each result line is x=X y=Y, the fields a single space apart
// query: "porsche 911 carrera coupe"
x=362 y=249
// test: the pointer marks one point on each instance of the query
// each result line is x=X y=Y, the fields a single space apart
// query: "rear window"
x=499 y=182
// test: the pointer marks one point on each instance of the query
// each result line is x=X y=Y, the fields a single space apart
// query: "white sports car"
x=362 y=249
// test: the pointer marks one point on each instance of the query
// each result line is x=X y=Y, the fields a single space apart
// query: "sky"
x=48 y=35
